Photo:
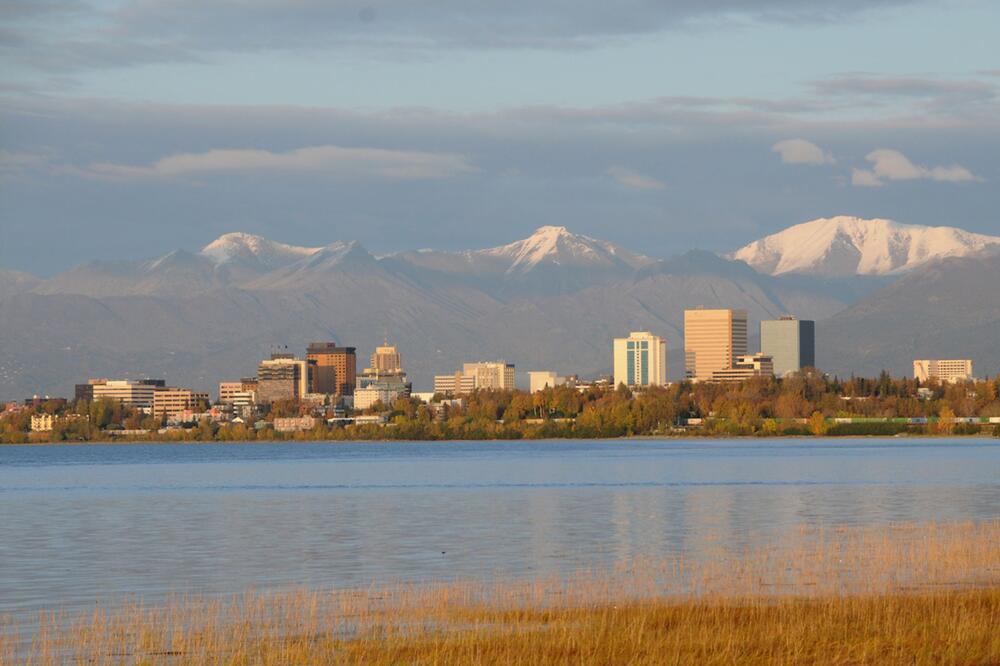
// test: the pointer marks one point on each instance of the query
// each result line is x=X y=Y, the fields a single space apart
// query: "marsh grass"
x=907 y=594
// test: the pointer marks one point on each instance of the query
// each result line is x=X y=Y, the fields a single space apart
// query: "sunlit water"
x=86 y=524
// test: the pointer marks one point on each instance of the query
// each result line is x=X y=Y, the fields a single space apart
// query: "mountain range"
x=881 y=292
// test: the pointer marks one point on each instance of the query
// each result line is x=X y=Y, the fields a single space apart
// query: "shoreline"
x=638 y=438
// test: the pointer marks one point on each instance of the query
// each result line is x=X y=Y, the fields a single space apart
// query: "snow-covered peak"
x=844 y=245
x=557 y=245
x=239 y=247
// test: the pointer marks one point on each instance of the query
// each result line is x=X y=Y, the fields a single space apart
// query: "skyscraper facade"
x=283 y=377
x=790 y=342
x=713 y=339
x=335 y=370
x=640 y=360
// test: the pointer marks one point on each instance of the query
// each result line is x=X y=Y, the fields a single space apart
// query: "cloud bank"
x=333 y=161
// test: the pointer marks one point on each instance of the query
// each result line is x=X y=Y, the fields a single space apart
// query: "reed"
x=906 y=594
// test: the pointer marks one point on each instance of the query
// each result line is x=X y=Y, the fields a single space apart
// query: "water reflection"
x=82 y=524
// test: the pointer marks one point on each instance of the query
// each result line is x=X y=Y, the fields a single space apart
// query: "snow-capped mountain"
x=251 y=250
x=844 y=246
x=557 y=246
x=552 y=259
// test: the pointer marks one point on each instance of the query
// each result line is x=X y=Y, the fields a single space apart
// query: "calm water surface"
x=80 y=524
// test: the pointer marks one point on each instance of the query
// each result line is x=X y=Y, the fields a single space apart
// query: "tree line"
x=804 y=403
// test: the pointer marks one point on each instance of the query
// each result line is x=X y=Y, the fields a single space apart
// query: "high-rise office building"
x=790 y=342
x=283 y=377
x=385 y=362
x=336 y=368
x=713 y=339
x=640 y=360
x=943 y=370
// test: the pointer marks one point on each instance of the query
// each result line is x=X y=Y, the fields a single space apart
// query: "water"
x=86 y=524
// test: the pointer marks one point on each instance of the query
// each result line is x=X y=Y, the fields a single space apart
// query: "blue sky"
x=130 y=128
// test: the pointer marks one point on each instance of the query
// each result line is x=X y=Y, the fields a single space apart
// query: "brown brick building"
x=335 y=368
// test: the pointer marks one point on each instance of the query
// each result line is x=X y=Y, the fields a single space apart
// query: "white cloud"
x=865 y=178
x=890 y=165
x=800 y=151
x=18 y=162
x=334 y=161
x=635 y=180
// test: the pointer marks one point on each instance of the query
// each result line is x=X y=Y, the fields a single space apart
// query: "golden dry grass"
x=927 y=594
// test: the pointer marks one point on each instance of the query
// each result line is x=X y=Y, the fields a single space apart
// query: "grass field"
x=907 y=594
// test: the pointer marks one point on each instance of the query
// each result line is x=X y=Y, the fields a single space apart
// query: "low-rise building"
x=745 y=367
x=295 y=423
x=947 y=371
x=42 y=422
x=539 y=380
x=454 y=384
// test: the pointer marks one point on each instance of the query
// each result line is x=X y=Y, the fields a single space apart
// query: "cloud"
x=800 y=151
x=106 y=35
x=21 y=161
x=334 y=161
x=893 y=165
x=905 y=86
x=633 y=179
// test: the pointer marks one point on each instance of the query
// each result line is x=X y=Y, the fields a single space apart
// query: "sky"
x=129 y=128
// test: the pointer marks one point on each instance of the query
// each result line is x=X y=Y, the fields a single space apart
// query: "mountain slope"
x=949 y=309
x=843 y=246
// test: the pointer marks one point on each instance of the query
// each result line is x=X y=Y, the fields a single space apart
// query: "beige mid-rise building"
x=491 y=374
x=943 y=370
x=497 y=375
x=172 y=401
x=713 y=340
x=132 y=393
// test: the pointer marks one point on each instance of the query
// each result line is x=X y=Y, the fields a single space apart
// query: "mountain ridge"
x=553 y=300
